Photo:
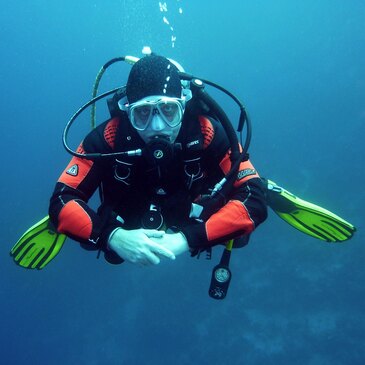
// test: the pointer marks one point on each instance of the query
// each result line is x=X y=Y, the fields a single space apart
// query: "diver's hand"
x=137 y=246
x=174 y=242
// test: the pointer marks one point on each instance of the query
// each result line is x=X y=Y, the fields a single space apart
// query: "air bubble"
x=163 y=6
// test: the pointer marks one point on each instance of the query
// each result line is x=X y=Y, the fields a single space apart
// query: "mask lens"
x=171 y=112
x=141 y=115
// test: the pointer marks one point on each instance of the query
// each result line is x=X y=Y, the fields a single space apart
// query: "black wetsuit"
x=134 y=188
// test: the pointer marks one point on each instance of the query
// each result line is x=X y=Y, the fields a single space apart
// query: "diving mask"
x=169 y=109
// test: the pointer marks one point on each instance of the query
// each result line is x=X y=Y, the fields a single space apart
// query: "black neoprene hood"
x=153 y=75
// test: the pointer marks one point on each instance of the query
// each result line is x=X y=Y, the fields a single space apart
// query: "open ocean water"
x=299 y=68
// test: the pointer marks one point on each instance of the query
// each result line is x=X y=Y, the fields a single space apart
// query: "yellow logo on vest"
x=73 y=170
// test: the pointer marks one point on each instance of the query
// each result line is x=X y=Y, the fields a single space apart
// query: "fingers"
x=140 y=247
x=162 y=251
x=157 y=248
x=153 y=254
x=150 y=259
x=152 y=233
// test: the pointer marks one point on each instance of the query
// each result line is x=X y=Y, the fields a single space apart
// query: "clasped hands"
x=147 y=246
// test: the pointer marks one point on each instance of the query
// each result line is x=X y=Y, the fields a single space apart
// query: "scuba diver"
x=172 y=177
x=183 y=156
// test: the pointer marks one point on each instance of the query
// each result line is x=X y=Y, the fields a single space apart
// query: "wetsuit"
x=135 y=191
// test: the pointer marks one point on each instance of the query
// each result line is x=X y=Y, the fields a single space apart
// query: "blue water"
x=299 y=68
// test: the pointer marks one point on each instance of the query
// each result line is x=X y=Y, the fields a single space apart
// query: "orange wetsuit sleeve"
x=68 y=207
